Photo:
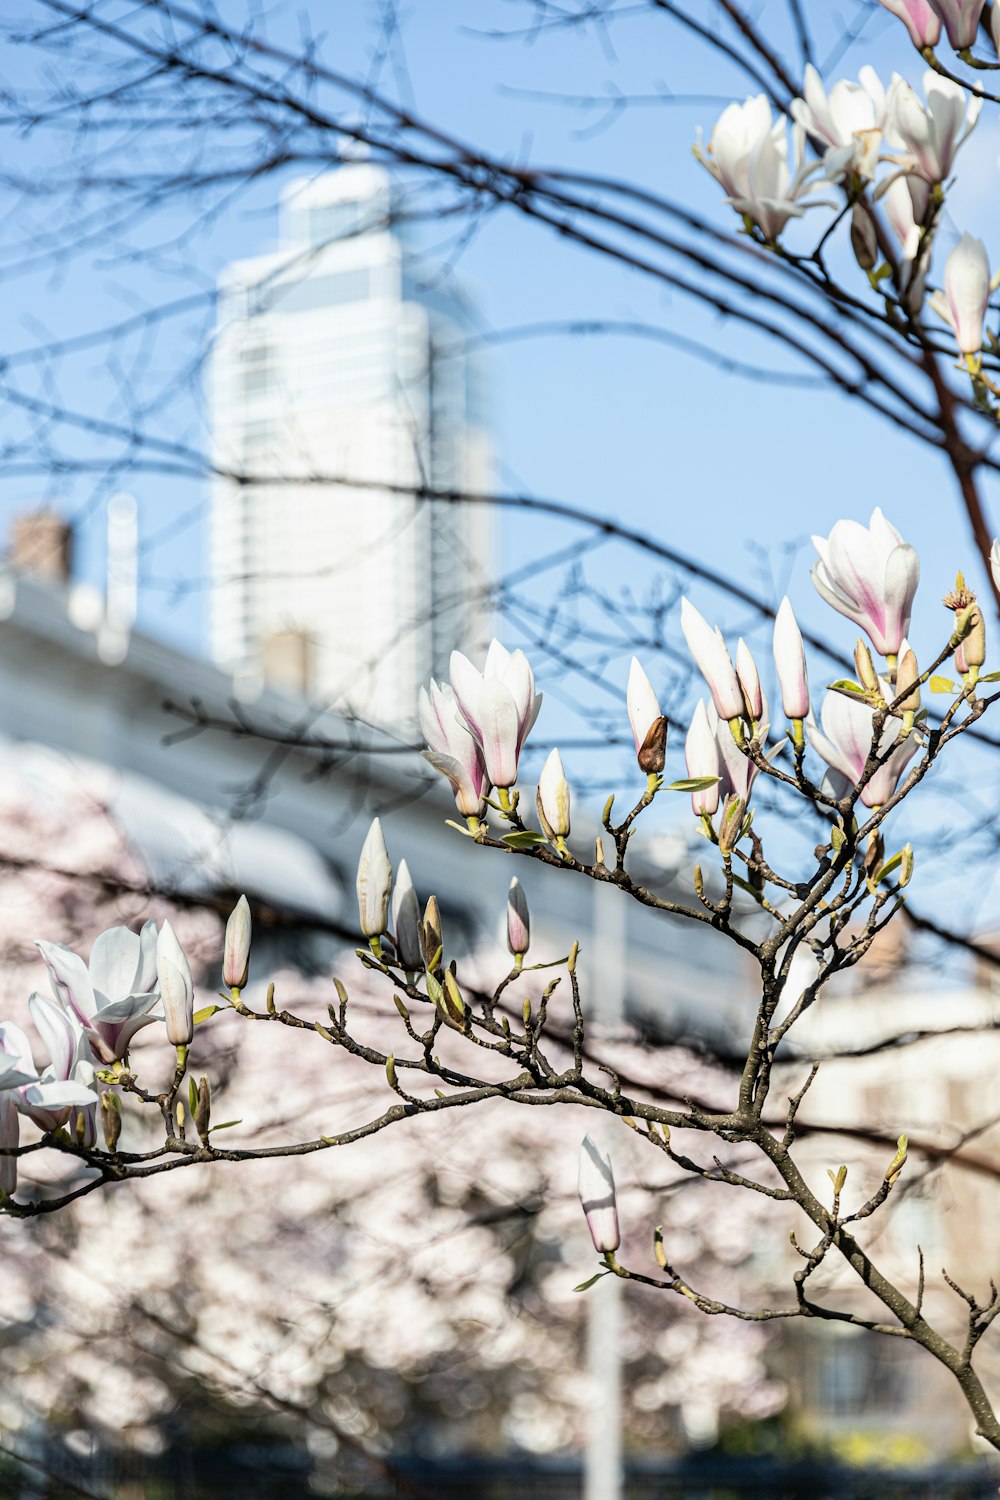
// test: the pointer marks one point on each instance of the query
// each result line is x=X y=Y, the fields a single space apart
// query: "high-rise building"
x=341 y=365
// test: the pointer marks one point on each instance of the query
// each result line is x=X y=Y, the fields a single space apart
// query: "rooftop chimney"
x=42 y=546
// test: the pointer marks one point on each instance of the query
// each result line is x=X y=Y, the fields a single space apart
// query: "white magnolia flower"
x=848 y=121
x=748 y=155
x=931 y=133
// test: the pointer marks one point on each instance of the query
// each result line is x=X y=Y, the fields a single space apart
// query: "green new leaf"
x=944 y=685
x=524 y=840
x=586 y=1285
x=889 y=866
x=450 y=823
x=226 y=1125
x=694 y=784
x=745 y=885
x=851 y=689
x=990 y=677
x=837 y=839
x=209 y=1010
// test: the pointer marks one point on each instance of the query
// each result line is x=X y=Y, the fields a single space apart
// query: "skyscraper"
x=342 y=357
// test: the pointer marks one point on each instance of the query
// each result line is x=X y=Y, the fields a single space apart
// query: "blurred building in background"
x=343 y=356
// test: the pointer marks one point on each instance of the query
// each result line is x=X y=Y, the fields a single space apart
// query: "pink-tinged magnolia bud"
x=406 y=920
x=518 y=921
x=713 y=662
x=701 y=753
x=869 y=574
x=920 y=19
x=933 y=132
x=374 y=883
x=236 y=957
x=961 y=20
x=176 y=986
x=746 y=671
x=790 y=663
x=596 y=1186
x=498 y=705
x=966 y=296
x=552 y=798
x=845 y=743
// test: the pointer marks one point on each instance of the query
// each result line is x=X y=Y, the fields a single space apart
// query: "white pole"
x=603 y=1478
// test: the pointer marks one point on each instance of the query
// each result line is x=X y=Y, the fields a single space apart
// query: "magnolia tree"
x=422 y=1284
x=447 y=1039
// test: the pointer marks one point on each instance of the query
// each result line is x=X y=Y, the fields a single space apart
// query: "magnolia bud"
x=907 y=681
x=874 y=855
x=596 y=1187
x=731 y=823
x=176 y=987
x=406 y=919
x=653 y=750
x=518 y=921
x=111 y=1118
x=374 y=883
x=864 y=241
x=453 y=1003
x=431 y=940
x=236 y=958
x=867 y=676
x=203 y=1108
x=973 y=647
x=552 y=798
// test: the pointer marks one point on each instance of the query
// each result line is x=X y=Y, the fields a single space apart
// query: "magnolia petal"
x=499 y=728
x=59 y=1034
x=115 y=960
x=69 y=978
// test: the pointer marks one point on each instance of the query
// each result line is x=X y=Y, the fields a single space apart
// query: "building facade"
x=344 y=390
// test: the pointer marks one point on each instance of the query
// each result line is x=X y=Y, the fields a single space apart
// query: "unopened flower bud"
x=867 y=676
x=374 y=883
x=552 y=798
x=907 y=681
x=731 y=823
x=176 y=987
x=236 y=958
x=874 y=855
x=864 y=242
x=596 y=1187
x=406 y=919
x=203 y=1108
x=653 y=750
x=453 y=1003
x=518 y=921
x=111 y=1118
x=430 y=934
x=749 y=679
x=973 y=647
x=898 y=1162
x=905 y=867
